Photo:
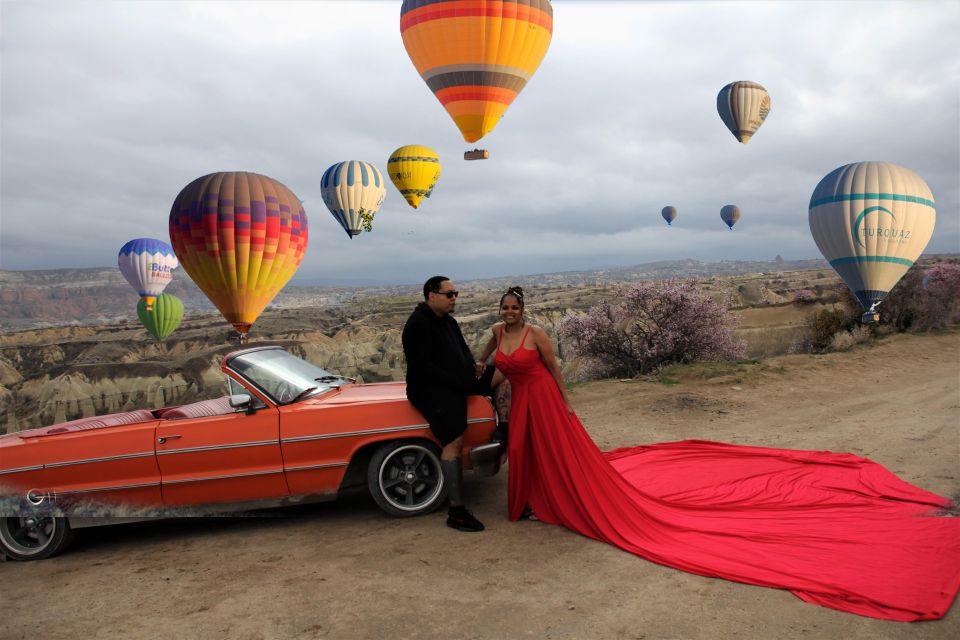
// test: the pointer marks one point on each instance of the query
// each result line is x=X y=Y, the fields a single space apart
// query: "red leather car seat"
x=202 y=409
x=93 y=422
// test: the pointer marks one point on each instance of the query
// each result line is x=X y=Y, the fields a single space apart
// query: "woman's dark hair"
x=516 y=292
x=433 y=285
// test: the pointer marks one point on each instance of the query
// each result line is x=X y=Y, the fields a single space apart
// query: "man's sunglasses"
x=450 y=294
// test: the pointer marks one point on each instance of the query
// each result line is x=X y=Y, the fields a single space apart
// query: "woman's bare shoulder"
x=536 y=330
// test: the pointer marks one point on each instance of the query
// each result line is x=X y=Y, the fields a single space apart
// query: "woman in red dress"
x=836 y=529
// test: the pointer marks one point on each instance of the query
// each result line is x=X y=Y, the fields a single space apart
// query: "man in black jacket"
x=440 y=376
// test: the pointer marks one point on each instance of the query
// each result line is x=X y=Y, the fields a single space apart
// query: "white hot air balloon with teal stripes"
x=871 y=221
x=353 y=191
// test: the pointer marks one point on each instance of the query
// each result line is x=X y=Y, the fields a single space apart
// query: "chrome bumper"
x=486 y=459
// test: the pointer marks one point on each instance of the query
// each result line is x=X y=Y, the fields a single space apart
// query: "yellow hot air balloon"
x=414 y=170
x=743 y=106
x=871 y=221
x=240 y=236
x=476 y=55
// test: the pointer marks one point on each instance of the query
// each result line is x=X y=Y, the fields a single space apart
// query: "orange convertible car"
x=288 y=433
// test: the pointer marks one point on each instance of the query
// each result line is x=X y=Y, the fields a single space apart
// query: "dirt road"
x=346 y=571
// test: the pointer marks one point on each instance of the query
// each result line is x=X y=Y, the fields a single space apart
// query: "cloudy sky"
x=110 y=108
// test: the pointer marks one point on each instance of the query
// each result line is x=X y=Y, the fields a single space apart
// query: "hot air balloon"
x=871 y=221
x=353 y=191
x=743 y=106
x=414 y=170
x=476 y=55
x=240 y=236
x=669 y=214
x=148 y=266
x=730 y=213
x=164 y=319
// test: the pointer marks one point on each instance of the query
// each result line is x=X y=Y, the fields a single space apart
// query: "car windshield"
x=283 y=376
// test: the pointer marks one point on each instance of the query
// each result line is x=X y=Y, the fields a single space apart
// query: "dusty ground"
x=346 y=571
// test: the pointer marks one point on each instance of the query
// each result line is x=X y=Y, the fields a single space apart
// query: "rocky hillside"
x=85 y=297
x=54 y=374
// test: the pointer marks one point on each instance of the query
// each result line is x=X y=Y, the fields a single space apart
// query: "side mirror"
x=240 y=400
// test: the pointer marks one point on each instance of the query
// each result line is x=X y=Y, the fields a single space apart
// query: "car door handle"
x=163 y=439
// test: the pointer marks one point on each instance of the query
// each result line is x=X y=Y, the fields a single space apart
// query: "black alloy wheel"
x=405 y=478
x=34 y=537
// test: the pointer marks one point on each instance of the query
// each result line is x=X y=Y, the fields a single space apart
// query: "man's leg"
x=452 y=472
x=446 y=417
x=457 y=517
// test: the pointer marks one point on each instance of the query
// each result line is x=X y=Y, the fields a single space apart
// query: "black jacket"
x=438 y=359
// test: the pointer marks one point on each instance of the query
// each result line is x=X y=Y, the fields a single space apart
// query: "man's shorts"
x=447 y=411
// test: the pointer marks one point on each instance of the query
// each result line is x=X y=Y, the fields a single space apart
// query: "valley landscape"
x=55 y=366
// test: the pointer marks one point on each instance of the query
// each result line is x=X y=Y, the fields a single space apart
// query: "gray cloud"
x=109 y=109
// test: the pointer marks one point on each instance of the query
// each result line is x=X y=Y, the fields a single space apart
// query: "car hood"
x=352 y=393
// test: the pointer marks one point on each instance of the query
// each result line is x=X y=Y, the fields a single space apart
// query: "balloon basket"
x=241 y=329
x=870 y=317
x=476 y=154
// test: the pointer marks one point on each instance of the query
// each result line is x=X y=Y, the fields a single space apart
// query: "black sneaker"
x=462 y=520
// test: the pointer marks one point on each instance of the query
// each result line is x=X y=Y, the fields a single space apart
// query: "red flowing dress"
x=836 y=529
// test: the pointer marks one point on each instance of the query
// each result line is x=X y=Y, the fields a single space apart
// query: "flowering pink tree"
x=924 y=299
x=653 y=324
x=940 y=295
x=804 y=296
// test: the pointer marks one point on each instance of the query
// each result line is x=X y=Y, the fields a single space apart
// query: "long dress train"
x=836 y=529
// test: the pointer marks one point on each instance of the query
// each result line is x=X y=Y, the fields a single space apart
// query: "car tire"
x=34 y=537
x=405 y=478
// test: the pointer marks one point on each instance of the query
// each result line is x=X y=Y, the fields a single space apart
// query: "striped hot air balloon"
x=414 y=170
x=166 y=316
x=730 y=213
x=147 y=264
x=476 y=55
x=240 y=236
x=743 y=106
x=669 y=214
x=353 y=191
x=871 y=221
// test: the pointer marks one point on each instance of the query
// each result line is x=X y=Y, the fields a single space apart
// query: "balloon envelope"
x=730 y=214
x=240 y=236
x=871 y=221
x=164 y=319
x=743 y=106
x=353 y=191
x=476 y=55
x=414 y=170
x=669 y=214
x=147 y=264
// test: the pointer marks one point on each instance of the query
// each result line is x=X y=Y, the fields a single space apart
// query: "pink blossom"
x=651 y=325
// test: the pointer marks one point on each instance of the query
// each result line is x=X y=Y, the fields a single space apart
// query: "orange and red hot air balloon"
x=476 y=55
x=240 y=236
